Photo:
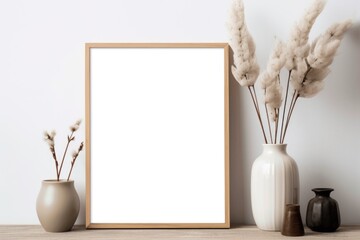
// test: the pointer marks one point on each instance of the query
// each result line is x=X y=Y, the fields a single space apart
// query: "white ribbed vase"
x=274 y=183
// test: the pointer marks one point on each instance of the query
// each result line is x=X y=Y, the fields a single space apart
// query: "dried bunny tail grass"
x=324 y=47
x=298 y=46
x=246 y=69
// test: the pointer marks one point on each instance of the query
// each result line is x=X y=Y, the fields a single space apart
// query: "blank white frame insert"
x=157 y=150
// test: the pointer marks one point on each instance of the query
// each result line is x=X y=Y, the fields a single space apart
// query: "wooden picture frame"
x=157 y=135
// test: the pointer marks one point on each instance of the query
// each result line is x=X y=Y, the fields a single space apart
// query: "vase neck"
x=323 y=192
x=274 y=148
x=62 y=182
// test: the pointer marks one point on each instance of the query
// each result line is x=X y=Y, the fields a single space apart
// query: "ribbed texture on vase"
x=274 y=183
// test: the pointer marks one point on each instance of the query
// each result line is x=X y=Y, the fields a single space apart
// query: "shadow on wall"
x=354 y=56
x=346 y=84
x=354 y=33
x=82 y=214
x=237 y=168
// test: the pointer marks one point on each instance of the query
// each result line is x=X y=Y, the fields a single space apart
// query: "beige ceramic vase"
x=57 y=205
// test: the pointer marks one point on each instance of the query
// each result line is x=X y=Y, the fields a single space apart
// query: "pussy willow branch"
x=50 y=139
x=70 y=138
x=254 y=99
x=74 y=159
x=72 y=165
x=52 y=149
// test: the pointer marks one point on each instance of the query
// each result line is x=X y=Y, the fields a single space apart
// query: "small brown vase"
x=292 y=224
x=57 y=205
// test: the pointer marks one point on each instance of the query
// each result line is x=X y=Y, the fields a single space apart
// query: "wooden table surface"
x=8 y=232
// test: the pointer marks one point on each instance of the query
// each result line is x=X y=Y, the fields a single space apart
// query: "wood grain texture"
x=35 y=232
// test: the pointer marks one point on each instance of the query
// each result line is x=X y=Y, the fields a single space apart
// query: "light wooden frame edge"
x=225 y=46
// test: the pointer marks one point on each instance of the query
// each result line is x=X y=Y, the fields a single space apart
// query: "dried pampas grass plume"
x=324 y=47
x=245 y=69
x=298 y=46
x=308 y=65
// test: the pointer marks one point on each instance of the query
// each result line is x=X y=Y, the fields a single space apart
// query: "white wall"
x=42 y=88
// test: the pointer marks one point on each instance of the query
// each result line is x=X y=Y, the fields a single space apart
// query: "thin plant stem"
x=296 y=95
x=257 y=104
x=268 y=121
x=276 y=123
x=72 y=165
x=67 y=146
x=57 y=167
x=57 y=174
x=258 y=112
x=56 y=162
x=52 y=149
x=285 y=102
x=290 y=114
x=75 y=155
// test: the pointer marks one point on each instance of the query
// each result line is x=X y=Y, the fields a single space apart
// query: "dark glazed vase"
x=323 y=213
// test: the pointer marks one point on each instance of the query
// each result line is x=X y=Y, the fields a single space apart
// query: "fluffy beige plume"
x=269 y=79
x=324 y=48
x=246 y=68
x=308 y=65
x=298 y=74
x=310 y=89
x=317 y=74
x=313 y=83
x=275 y=63
x=49 y=137
x=273 y=96
x=297 y=46
x=272 y=113
x=306 y=81
x=322 y=54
